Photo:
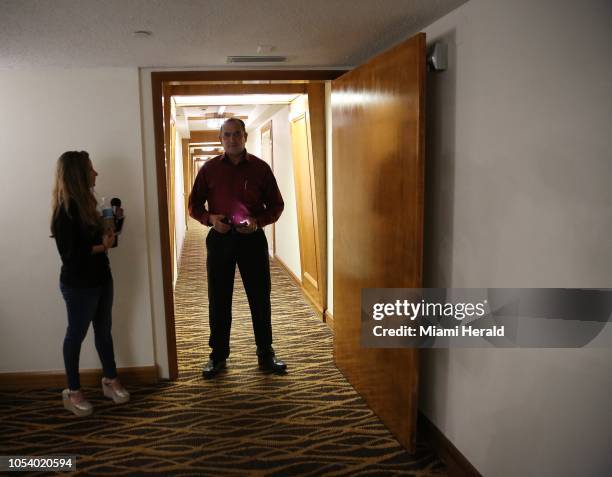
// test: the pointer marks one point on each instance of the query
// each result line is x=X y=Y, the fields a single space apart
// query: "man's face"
x=232 y=138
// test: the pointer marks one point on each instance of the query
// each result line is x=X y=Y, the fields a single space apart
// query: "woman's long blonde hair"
x=72 y=183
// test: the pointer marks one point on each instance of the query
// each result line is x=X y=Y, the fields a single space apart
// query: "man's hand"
x=247 y=226
x=217 y=222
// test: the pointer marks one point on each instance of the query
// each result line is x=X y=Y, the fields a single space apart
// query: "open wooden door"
x=306 y=198
x=378 y=172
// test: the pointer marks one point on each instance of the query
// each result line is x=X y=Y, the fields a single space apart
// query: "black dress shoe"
x=212 y=368
x=271 y=364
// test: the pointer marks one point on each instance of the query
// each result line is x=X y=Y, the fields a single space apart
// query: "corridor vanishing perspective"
x=309 y=422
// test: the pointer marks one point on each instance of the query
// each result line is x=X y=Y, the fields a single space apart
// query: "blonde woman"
x=86 y=282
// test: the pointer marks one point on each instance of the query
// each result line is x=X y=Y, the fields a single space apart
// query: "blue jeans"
x=84 y=306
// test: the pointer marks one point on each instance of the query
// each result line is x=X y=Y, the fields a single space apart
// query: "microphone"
x=115 y=204
x=118 y=214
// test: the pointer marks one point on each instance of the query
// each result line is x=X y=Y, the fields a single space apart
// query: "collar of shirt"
x=244 y=157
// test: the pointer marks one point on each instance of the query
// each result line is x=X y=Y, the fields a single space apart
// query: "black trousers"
x=250 y=252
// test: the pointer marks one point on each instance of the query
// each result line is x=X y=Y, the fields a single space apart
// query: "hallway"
x=308 y=422
x=243 y=422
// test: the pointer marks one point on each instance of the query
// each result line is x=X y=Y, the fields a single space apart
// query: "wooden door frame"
x=170 y=180
x=186 y=176
x=164 y=84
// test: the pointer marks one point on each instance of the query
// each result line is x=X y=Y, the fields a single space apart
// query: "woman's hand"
x=108 y=240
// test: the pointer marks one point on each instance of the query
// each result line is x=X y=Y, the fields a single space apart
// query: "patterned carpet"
x=309 y=422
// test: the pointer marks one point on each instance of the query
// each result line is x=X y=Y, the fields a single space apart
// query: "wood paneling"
x=204 y=136
x=308 y=142
x=170 y=174
x=196 y=77
x=159 y=113
x=329 y=320
x=249 y=88
x=378 y=172
x=315 y=115
x=306 y=209
x=202 y=152
x=186 y=177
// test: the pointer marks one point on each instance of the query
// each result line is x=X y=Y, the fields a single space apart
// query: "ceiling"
x=208 y=112
x=202 y=33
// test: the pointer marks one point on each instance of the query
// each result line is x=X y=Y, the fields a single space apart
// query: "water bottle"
x=108 y=218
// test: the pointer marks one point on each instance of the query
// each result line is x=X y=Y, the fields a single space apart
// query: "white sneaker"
x=80 y=408
x=118 y=393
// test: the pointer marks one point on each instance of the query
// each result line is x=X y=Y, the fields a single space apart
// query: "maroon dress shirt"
x=247 y=189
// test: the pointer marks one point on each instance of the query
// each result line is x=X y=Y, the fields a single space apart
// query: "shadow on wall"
x=126 y=268
x=440 y=171
x=441 y=89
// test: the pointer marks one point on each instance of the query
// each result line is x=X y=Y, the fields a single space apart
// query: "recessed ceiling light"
x=142 y=33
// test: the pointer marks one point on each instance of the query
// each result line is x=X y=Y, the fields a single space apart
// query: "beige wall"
x=287 y=240
x=519 y=162
x=44 y=113
x=288 y=243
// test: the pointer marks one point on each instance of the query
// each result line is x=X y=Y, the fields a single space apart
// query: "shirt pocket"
x=252 y=191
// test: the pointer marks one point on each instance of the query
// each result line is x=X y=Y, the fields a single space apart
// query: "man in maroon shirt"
x=242 y=197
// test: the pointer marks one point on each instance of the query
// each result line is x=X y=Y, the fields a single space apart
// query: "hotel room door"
x=378 y=171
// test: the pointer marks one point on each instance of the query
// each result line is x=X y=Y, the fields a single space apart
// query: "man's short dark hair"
x=240 y=123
